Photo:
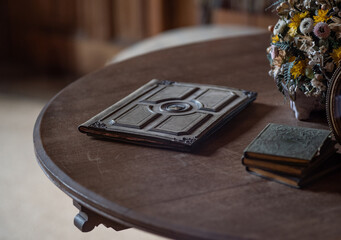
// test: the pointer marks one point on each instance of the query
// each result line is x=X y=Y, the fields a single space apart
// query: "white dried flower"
x=279 y=27
x=274 y=52
x=316 y=58
x=307 y=25
x=305 y=43
x=306 y=3
x=318 y=86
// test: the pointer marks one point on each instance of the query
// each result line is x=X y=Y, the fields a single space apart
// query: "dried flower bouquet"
x=306 y=46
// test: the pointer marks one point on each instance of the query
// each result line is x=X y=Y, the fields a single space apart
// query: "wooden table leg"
x=86 y=220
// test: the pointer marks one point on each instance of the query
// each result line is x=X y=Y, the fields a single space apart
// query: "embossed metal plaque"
x=169 y=114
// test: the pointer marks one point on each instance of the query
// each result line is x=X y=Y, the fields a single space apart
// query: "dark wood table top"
x=202 y=195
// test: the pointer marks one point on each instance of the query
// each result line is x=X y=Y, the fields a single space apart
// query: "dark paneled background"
x=78 y=36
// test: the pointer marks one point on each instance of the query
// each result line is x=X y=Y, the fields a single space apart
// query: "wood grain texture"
x=207 y=195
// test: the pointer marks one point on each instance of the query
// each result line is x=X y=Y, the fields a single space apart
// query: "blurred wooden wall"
x=245 y=12
x=4 y=31
x=79 y=36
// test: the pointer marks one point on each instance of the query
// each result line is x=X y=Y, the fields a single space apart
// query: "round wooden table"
x=202 y=195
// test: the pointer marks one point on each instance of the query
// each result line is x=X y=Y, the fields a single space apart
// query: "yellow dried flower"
x=295 y=22
x=303 y=15
x=336 y=55
x=321 y=16
x=275 y=39
x=298 y=69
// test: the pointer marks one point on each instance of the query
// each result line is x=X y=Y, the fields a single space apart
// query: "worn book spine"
x=299 y=170
x=274 y=166
x=287 y=180
x=331 y=165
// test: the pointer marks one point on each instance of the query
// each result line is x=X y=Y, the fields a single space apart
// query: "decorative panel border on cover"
x=169 y=114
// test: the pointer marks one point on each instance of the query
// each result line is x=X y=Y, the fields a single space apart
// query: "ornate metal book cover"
x=169 y=114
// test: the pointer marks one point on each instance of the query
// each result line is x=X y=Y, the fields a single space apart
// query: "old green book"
x=289 y=144
x=298 y=170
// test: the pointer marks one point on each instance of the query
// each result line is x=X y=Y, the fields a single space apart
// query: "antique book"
x=330 y=165
x=289 y=144
x=169 y=114
x=295 y=169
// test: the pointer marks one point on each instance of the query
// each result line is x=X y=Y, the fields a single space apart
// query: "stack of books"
x=295 y=156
